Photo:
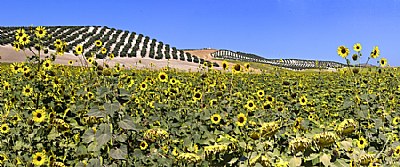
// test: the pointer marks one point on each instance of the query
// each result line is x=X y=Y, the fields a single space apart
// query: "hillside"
x=123 y=44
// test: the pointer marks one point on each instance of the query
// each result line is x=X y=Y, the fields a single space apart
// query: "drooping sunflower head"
x=16 y=46
x=40 y=32
x=241 y=119
x=163 y=77
x=375 y=52
x=354 y=57
x=39 y=159
x=343 y=51
x=216 y=118
x=383 y=62
x=357 y=47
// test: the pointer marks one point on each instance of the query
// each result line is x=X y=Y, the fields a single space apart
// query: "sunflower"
x=260 y=93
x=375 y=53
x=383 y=62
x=250 y=105
x=24 y=39
x=303 y=100
x=270 y=98
x=362 y=143
x=163 y=77
x=343 y=51
x=103 y=50
x=246 y=66
x=236 y=68
x=70 y=62
x=216 y=118
x=143 y=86
x=4 y=128
x=241 y=119
x=27 y=90
x=213 y=102
x=16 y=46
x=173 y=81
x=395 y=121
x=225 y=65
x=58 y=43
x=40 y=32
x=20 y=32
x=98 y=43
x=39 y=115
x=47 y=64
x=91 y=60
x=354 y=57
x=143 y=145
x=3 y=158
x=39 y=159
x=111 y=56
x=267 y=105
x=357 y=47
x=79 y=49
x=396 y=151
x=197 y=96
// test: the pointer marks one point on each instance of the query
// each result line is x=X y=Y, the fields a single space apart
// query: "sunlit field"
x=95 y=115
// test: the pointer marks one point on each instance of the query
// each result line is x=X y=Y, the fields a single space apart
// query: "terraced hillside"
x=120 y=43
x=295 y=64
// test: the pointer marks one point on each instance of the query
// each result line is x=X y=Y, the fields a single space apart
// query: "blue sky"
x=305 y=29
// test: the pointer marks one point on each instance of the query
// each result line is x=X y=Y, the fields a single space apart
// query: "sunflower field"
x=94 y=115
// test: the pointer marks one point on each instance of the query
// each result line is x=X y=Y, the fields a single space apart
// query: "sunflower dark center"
x=4 y=128
x=40 y=31
x=251 y=104
x=280 y=109
x=215 y=119
x=58 y=43
x=47 y=64
x=143 y=85
x=1 y=158
x=343 y=51
x=398 y=151
x=24 y=39
x=361 y=142
x=357 y=47
x=162 y=76
x=269 y=98
x=303 y=100
x=27 y=90
x=143 y=144
x=241 y=119
x=39 y=158
x=39 y=115
x=197 y=95
x=20 y=34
